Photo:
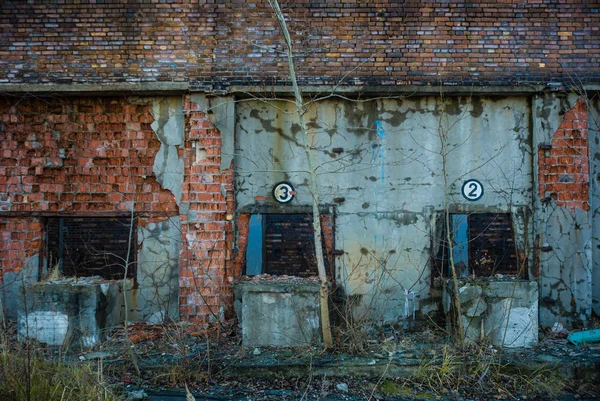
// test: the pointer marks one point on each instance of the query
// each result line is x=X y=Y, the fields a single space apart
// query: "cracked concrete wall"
x=390 y=174
x=72 y=313
x=279 y=313
x=16 y=289
x=156 y=296
x=563 y=233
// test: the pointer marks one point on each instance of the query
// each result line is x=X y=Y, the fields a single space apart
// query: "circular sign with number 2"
x=283 y=192
x=472 y=190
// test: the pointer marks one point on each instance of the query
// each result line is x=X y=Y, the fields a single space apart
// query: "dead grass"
x=27 y=376
x=478 y=370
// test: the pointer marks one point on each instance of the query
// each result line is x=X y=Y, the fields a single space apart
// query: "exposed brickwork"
x=328 y=228
x=94 y=156
x=242 y=229
x=21 y=239
x=73 y=156
x=220 y=43
x=564 y=169
x=78 y=155
x=206 y=272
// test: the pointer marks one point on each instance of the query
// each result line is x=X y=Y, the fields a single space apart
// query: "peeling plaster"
x=168 y=125
x=389 y=174
x=221 y=113
x=15 y=286
x=156 y=295
x=566 y=271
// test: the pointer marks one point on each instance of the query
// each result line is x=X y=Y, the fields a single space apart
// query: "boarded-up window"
x=282 y=244
x=482 y=245
x=91 y=246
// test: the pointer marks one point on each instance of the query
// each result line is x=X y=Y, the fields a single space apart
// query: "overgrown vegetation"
x=26 y=375
x=479 y=370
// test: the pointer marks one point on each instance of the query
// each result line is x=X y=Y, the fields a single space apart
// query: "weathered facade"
x=174 y=120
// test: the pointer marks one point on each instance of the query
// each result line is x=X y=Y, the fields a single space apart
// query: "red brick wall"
x=243 y=229
x=207 y=271
x=72 y=156
x=230 y=42
x=564 y=169
x=21 y=239
x=94 y=156
x=78 y=155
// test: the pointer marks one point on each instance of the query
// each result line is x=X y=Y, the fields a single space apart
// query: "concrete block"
x=47 y=327
x=68 y=312
x=508 y=311
x=279 y=313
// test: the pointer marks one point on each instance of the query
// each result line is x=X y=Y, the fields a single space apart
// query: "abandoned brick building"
x=142 y=141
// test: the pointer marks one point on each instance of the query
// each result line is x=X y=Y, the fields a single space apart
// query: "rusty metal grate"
x=289 y=245
x=483 y=245
x=91 y=246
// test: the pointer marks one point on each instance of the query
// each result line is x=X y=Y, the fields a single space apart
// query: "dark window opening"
x=483 y=245
x=282 y=244
x=91 y=246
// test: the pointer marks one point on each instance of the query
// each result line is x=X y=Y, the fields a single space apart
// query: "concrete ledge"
x=164 y=88
x=105 y=89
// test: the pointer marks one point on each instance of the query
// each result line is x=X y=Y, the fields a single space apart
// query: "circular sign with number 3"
x=283 y=192
x=472 y=190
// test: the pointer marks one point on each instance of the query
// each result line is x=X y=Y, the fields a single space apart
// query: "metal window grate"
x=491 y=244
x=289 y=245
x=91 y=246
x=483 y=245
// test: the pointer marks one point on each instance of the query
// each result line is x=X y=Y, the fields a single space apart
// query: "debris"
x=587 y=336
x=137 y=395
x=342 y=387
x=282 y=278
x=256 y=351
x=558 y=328
x=96 y=355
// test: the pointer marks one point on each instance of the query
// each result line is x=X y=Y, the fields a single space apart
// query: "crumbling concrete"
x=594 y=134
x=563 y=233
x=279 y=313
x=155 y=296
x=16 y=288
x=504 y=313
x=169 y=127
x=221 y=113
x=69 y=312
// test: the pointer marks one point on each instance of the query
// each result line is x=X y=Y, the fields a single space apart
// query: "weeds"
x=480 y=370
x=31 y=377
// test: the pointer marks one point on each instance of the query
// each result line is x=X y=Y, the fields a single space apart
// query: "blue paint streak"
x=254 y=256
x=380 y=136
x=380 y=130
x=460 y=249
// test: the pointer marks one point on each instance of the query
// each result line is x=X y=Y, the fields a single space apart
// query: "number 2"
x=474 y=188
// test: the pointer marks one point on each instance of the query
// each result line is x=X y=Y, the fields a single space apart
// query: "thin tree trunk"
x=300 y=109
x=443 y=135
